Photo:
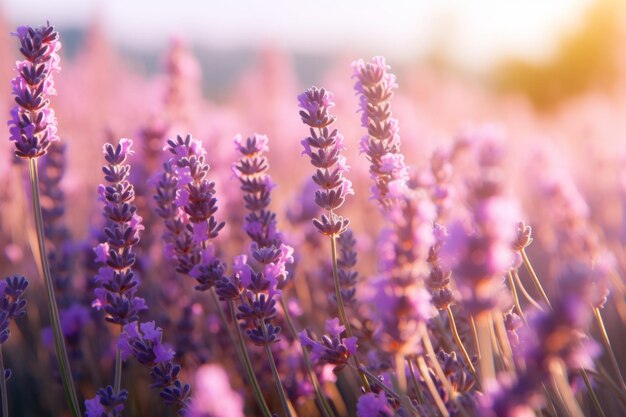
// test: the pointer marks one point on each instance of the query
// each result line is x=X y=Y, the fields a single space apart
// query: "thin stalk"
x=400 y=372
x=434 y=360
x=560 y=379
x=258 y=395
x=418 y=391
x=602 y=374
x=423 y=369
x=223 y=319
x=55 y=320
x=325 y=408
x=342 y=310
x=536 y=281
x=503 y=340
x=487 y=369
x=475 y=335
x=592 y=394
x=528 y=297
x=518 y=306
x=403 y=399
x=3 y=387
x=117 y=384
x=279 y=385
x=459 y=342
x=607 y=345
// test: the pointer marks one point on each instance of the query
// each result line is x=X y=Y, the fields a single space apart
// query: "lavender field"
x=382 y=243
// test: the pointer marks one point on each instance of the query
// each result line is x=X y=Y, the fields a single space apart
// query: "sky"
x=474 y=33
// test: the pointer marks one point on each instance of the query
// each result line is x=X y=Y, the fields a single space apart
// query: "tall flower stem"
x=559 y=375
x=607 y=345
x=342 y=310
x=518 y=306
x=423 y=368
x=323 y=405
x=418 y=391
x=487 y=369
x=533 y=275
x=528 y=297
x=3 y=387
x=402 y=398
x=458 y=340
x=258 y=395
x=592 y=394
x=279 y=385
x=59 y=342
x=117 y=381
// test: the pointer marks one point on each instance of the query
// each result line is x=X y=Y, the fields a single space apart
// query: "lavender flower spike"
x=375 y=85
x=324 y=147
x=33 y=125
x=117 y=282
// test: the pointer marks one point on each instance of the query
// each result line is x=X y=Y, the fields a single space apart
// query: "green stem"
x=459 y=342
x=279 y=385
x=423 y=369
x=117 y=384
x=487 y=369
x=323 y=405
x=592 y=394
x=59 y=342
x=223 y=319
x=418 y=391
x=609 y=349
x=536 y=281
x=3 y=387
x=342 y=310
x=560 y=379
x=247 y=364
x=528 y=297
x=403 y=399
x=518 y=306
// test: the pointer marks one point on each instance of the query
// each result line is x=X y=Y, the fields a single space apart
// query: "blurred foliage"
x=584 y=59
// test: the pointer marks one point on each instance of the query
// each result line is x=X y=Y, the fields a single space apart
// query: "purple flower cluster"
x=479 y=257
x=251 y=170
x=116 y=280
x=106 y=403
x=324 y=147
x=331 y=348
x=33 y=125
x=375 y=85
x=12 y=305
x=186 y=202
x=195 y=194
x=143 y=342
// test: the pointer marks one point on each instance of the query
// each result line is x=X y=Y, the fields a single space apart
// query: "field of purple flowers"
x=370 y=253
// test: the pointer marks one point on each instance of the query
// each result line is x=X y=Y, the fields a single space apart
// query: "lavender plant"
x=442 y=233
x=33 y=128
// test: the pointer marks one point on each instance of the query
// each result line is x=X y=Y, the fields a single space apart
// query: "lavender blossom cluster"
x=403 y=278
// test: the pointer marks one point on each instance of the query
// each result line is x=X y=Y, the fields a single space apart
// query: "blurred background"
x=551 y=74
x=549 y=51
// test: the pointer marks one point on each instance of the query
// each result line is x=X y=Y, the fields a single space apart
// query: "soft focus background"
x=550 y=74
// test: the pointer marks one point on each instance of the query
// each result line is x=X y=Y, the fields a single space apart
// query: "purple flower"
x=251 y=170
x=106 y=403
x=331 y=348
x=374 y=405
x=186 y=202
x=375 y=85
x=33 y=125
x=12 y=305
x=116 y=280
x=324 y=147
x=143 y=342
